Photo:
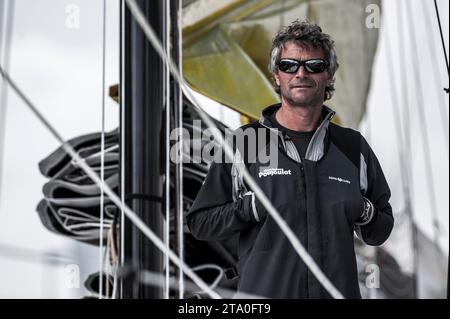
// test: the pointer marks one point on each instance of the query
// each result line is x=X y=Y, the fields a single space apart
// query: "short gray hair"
x=304 y=33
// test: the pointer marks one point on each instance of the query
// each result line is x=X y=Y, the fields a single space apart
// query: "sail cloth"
x=75 y=223
x=59 y=165
x=226 y=48
x=71 y=204
x=432 y=268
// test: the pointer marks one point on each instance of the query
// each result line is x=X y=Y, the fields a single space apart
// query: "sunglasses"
x=311 y=66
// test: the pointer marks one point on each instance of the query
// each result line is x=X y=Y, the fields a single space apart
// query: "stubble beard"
x=308 y=102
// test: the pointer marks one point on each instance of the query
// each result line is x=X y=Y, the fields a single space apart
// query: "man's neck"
x=300 y=119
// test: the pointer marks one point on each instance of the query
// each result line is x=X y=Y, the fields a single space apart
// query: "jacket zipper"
x=303 y=209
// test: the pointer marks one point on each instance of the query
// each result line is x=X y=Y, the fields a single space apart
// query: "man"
x=327 y=185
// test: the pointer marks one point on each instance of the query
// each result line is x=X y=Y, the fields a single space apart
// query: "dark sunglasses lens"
x=315 y=66
x=288 y=66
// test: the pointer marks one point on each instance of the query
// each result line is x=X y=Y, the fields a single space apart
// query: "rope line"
x=102 y=150
x=132 y=216
x=297 y=245
x=442 y=36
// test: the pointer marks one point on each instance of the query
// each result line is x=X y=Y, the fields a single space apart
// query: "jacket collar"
x=327 y=115
x=316 y=147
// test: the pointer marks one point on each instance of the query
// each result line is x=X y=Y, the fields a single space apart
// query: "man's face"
x=302 y=89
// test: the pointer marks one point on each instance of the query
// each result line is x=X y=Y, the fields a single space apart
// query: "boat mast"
x=142 y=139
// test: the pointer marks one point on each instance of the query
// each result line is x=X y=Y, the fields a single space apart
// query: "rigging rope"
x=179 y=165
x=301 y=251
x=442 y=38
x=122 y=95
x=102 y=150
x=211 y=266
x=155 y=279
x=436 y=72
x=167 y=177
x=109 y=192
x=5 y=59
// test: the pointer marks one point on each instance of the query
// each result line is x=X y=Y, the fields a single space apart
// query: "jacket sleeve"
x=214 y=215
x=376 y=189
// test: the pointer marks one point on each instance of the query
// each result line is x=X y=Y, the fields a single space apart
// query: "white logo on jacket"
x=340 y=180
x=274 y=171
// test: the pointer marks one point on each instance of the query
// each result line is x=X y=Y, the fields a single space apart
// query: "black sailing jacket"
x=320 y=198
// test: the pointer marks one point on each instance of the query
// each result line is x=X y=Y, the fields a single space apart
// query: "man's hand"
x=252 y=209
x=367 y=213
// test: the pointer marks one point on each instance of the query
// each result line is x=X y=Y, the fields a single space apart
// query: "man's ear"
x=331 y=80
x=277 y=79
